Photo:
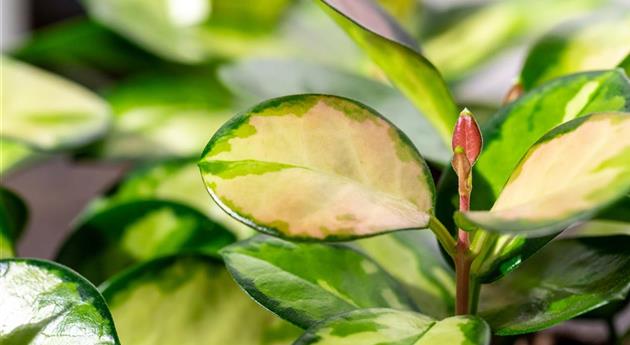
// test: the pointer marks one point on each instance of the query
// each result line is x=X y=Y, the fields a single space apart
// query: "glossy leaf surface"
x=562 y=180
x=188 y=299
x=566 y=278
x=306 y=283
x=110 y=240
x=256 y=80
x=13 y=217
x=414 y=259
x=175 y=180
x=317 y=167
x=411 y=72
x=169 y=112
x=394 y=327
x=595 y=43
x=46 y=303
x=46 y=111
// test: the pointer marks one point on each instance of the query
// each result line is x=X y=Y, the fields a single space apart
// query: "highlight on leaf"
x=317 y=167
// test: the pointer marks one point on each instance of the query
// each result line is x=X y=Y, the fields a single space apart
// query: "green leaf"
x=414 y=259
x=394 y=327
x=594 y=43
x=13 y=217
x=472 y=40
x=176 y=180
x=48 y=112
x=306 y=283
x=45 y=303
x=195 y=31
x=188 y=300
x=166 y=113
x=411 y=72
x=356 y=174
x=562 y=179
x=107 y=241
x=565 y=279
x=13 y=154
x=509 y=135
x=255 y=80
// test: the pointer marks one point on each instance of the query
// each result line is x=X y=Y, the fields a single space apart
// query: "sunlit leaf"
x=394 y=327
x=46 y=303
x=598 y=42
x=317 y=167
x=562 y=179
x=255 y=80
x=107 y=241
x=509 y=135
x=188 y=299
x=565 y=279
x=414 y=259
x=306 y=283
x=194 y=30
x=13 y=154
x=472 y=40
x=13 y=217
x=46 y=111
x=411 y=72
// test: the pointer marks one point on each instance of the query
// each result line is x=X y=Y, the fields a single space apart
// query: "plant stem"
x=444 y=237
x=463 y=258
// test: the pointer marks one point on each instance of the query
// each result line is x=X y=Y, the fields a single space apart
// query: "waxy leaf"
x=562 y=179
x=411 y=72
x=256 y=80
x=394 y=327
x=175 y=180
x=46 y=303
x=317 y=167
x=599 y=42
x=13 y=216
x=47 y=112
x=565 y=279
x=107 y=241
x=307 y=282
x=506 y=140
x=188 y=300
x=414 y=259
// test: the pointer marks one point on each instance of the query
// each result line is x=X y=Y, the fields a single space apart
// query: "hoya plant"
x=357 y=201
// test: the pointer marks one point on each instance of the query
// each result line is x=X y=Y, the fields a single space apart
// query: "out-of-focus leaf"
x=395 y=327
x=411 y=72
x=175 y=180
x=569 y=175
x=13 y=217
x=470 y=41
x=357 y=175
x=255 y=80
x=595 y=43
x=598 y=228
x=13 y=154
x=170 y=112
x=48 y=112
x=509 y=135
x=306 y=283
x=107 y=241
x=188 y=299
x=194 y=30
x=83 y=50
x=414 y=259
x=46 y=303
x=565 y=279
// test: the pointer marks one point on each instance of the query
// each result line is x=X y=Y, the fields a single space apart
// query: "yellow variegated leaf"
x=317 y=167
x=573 y=172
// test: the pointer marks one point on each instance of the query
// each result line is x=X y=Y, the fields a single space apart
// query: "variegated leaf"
x=569 y=175
x=47 y=112
x=410 y=71
x=13 y=217
x=317 y=167
x=13 y=154
x=307 y=282
x=394 y=327
x=188 y=300
x=595 y=43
